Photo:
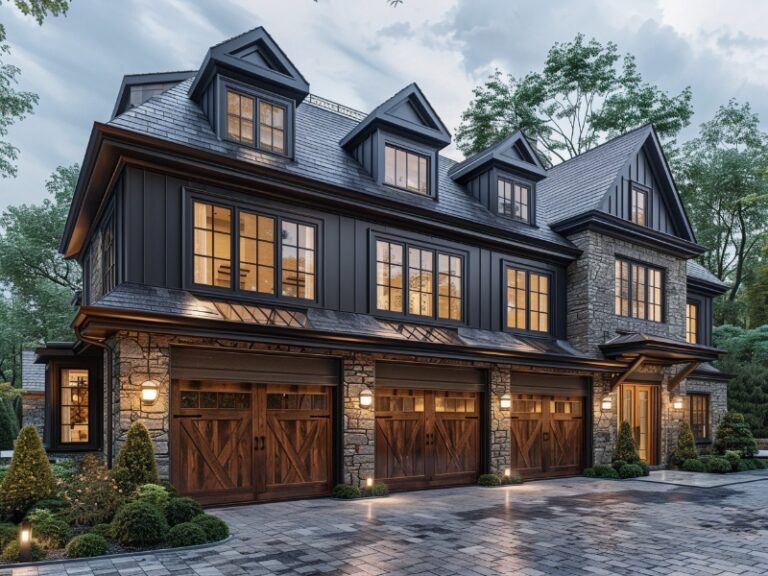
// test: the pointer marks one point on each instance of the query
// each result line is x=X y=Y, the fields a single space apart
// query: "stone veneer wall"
x=718 y=399
x=33 y=410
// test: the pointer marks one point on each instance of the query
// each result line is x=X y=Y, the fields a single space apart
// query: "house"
x=291 y=294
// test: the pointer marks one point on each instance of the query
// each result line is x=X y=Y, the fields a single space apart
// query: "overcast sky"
x=360 y=52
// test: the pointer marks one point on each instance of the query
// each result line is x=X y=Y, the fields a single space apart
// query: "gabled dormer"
x=503 y=177
x=249 y=90
x=398 y=143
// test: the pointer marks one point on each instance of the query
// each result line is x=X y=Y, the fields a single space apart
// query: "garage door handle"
x=546 y=436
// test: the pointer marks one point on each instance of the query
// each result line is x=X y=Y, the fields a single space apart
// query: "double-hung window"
x=514 y=200
x=417 y=281
x=267 y=254
x=256 y=122
x=527 y=300
x=406 y=169
x=639 y=206
x=639 y=291
x=699 y=415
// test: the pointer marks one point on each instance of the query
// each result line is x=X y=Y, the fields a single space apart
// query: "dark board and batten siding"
x=617 y=201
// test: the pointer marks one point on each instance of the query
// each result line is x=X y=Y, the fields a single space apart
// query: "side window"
x=527 y=300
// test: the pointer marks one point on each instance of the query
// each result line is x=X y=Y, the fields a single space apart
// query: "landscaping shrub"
x=186 y=534
x=64 y=469
x=104 y=530
x=154 y=494
x=181 y=510
x=601 y=471
x=734 y=458
x=694 y=465
x=12 y=552
x=168 y=488
x=758 y=464
x=617 y=464
x=630 y=471
x=489 y=480
x=645 y=467
x=86 y=546
x=48 y=530
x=718 y=466
x=215 y=528
x=625 y=445
x=686 y=445
x=135 y=463
x=511 y=479
x=8 y=532
x=379 y=490
x=733 y=433
x=139 y=524
x=743 y=466
x=92 y=494
x=346 y=491
x=29 y=478
x=57 y=506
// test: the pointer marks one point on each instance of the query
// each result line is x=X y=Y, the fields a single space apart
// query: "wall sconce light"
x=369 y=483
x=366 y=398
x=507 y=472
x=506 y=402
x=677 y=403
x=150 y=390
x=25 y=540
x=606 y=403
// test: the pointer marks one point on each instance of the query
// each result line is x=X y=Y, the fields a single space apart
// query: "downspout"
x=108 y=383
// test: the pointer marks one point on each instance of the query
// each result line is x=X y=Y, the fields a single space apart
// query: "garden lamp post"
x=25 y=540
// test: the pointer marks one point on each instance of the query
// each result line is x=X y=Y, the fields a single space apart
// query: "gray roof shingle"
x=32 y=375
x=696 y=270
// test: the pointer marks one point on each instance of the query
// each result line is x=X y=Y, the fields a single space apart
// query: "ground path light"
x=25 y=540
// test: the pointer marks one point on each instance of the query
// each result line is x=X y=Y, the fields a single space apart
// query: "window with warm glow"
x=420 y=281
x=271 y=127
x=74 y=405
x=267 y=131
x=528 y=300
x=298 y=260
x=449 y=287
x=639 y=206
x=514 y=200
x=691 y=322
x=389 y=276
x=212 y=245
x=240 y=125
x=699 y=415
x=406 y=170
x=257 y=253
x=638 y=291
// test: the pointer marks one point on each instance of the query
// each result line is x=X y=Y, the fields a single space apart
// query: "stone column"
x=604 y=422
x=359 y=423
x=500 y=425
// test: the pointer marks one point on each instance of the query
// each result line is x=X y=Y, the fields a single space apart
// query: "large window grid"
x=699 y=416
x=514 y=200
x=527 y=300
x=240 y=124
x=405 y=169
x=74 y=402
x=639 y=291
x=429 y=293
x=267 y=132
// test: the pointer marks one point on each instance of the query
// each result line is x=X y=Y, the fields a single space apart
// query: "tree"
x=625 y=445
x=136 y=463
x=756 y=295
x=583 y=95
x=722 y=176
x=29 y=478
x=686 y=445
x=733 y=433
x=16 y=105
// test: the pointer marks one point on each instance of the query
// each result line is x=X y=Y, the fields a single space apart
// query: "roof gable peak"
x=513 y=152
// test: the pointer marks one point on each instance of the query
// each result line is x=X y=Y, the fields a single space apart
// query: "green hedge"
x=86 y=546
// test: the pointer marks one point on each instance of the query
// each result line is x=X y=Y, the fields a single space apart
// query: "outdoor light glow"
x=607 y=403
x=507 y=472
x=369 y=482
x=25 y=536
x=677 y=402
x=506 y=402
x=149 y=391
x=366 y=398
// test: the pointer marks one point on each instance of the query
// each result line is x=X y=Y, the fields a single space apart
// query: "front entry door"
x=547 y=435
x=239 y=442
x=427 y=438
x=638 y=407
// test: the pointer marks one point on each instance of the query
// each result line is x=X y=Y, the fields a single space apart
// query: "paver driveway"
x=572 y=526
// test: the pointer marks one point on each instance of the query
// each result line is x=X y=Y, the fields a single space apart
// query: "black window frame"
x=108 y=252
x=407 y=243
x=233 y=291
x=636 y=187
x=95 y=410
x=630 y=295
x=508 y=265
x=514 y=182
x=388 y=143
x=707 y=416
x=227 y=84
x=697 y=321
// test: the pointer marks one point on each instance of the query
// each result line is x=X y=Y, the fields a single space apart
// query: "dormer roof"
x=513 y=153
x=408 y=113
x=252 y=56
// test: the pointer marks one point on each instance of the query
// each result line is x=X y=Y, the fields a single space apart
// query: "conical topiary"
x=136 y=461
x=625 y=445
x=733 y=433
x=29 y=478
x=686 y=445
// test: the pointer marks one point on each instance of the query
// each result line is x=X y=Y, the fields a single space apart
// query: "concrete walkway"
x=569 y=527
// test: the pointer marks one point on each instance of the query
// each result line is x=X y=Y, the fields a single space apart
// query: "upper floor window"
x=405 y=169
x=639 y=206
x=269 y=133
x=266 y=262
x=432 y=287
x=514 y=200
x=108 y=272
x=699 y=415
x=692 y=322
x=527 y=300
x=639 y=291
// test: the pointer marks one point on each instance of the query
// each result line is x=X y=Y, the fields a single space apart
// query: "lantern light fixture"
x=606 y=403
x=507 y=472
x=25 y=540
x=677 y=403
x=506 y=402
x=369 y=482
x=150 y=390
x=366 y=398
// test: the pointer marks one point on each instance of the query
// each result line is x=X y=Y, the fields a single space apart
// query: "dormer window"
x=271 y=127
x=240 y=117
x=639 y=205
x=406 y=170
x=514 y=200
x=266 y=132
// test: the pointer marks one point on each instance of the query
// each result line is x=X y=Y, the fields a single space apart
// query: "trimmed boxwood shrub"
x=104 y=530
x=625 y=445
x=733 y=433
x=154 y=494
x=186 y=534
x=86 y=546
x=758 y=464
x=645 y=466
x=135 y=463
x=601 y=471
x=686 y=445
x=8 y=532
x=718 y=466
x=617 y=464
x=12 y=552
x=346 y=491
x=48 y=530
x=379 y=490
x=734 y=458
x=139 y=524
x=214 y=527
x=511 y=479
x=29 y=478
x=489 y=480
x=743 y=466
x=630 y=471
x=694 y=465
x=181 y=510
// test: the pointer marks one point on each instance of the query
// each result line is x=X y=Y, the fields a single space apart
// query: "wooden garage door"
x=245 y=442
x=427 y=437
x=547 y=435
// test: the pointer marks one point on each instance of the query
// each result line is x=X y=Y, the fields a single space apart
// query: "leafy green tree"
x=585 y=93
x=16 y=105
x=756 y=296
x=723 y=179
x=625 y=445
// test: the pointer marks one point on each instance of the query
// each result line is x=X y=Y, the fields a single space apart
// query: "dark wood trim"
x=624 y=376
x=683 y=374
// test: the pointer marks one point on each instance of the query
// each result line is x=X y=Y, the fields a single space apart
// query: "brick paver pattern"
x=573 y=526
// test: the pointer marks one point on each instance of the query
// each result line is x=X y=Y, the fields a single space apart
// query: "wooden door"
x=212 y=441
x=527 y=433
x=566 y=436
x=426 y=438
x=638 y=407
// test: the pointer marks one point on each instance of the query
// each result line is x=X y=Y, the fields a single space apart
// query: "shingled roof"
x=699 y=272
